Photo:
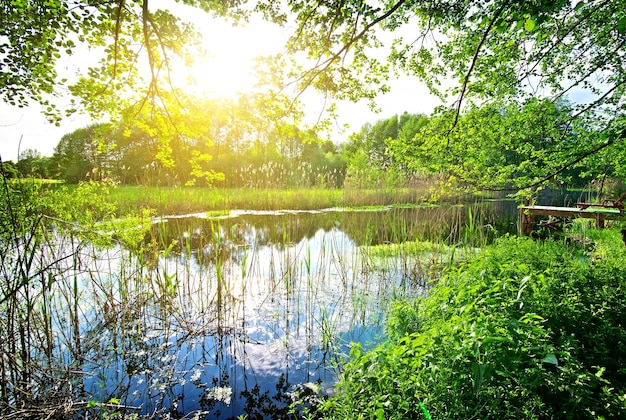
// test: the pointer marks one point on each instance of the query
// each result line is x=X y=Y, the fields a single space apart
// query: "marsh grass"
x=172 y=201
x=53 y=281
x=139 y=325
x=185 y=200
x=417 y=263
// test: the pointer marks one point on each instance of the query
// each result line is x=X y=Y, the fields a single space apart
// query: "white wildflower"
x=220 y=393
x=196 y=375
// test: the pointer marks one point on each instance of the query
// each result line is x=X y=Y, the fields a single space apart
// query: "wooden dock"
x=528 y=213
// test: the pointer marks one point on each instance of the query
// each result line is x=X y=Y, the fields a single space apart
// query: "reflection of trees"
x=226 y=239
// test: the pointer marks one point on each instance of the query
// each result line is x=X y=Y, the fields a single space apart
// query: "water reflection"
x=363 y=227
x=224 y=316
x=224 y=322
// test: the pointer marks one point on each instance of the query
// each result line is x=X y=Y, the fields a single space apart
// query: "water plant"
x=159 y=322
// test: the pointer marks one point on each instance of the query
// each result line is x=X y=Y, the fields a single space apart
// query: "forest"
x=235 y=153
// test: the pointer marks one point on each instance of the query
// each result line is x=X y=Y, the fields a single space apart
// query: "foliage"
x=83 y=206
x=526 y=330
x=474 y=54
x=8 y=169
x=84 y=154
x=31 y=164
x=504 y=55
x=210 y=142
x=161 y=134
x=36 y=35
x=368 y=152
x=499 y=145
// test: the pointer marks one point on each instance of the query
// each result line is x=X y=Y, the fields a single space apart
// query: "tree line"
x=505 y=122
x=501 y=146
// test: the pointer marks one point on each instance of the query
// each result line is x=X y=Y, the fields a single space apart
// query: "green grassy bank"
x=130 y=199
x=525 y=330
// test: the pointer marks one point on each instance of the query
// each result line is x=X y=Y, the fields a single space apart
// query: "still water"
x=230 y=315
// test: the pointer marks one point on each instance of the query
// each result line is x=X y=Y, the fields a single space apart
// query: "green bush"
x=525 y=330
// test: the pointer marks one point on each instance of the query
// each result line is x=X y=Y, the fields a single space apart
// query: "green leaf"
x=550 y=358
x=488 y=340
x=380 y=414
x=479 y=373
x=621 y=25
x=529 y=25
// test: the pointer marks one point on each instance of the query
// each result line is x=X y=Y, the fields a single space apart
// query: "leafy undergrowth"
x=525 y=330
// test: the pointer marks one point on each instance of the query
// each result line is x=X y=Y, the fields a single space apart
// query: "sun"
x=225 y=67
x=220 y=74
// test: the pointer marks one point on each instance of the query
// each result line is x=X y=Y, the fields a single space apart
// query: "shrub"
x=525 y=330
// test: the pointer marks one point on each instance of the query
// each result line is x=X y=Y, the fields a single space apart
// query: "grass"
x=109 y=313
x=175 y=200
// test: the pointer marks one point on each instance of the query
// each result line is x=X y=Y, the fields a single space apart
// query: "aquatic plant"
x=109 y=318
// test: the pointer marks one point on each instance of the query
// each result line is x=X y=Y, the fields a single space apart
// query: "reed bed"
x=99 y=329
x=185 y=200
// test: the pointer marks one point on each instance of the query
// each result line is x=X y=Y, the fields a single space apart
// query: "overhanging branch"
x=475 y=60
x=312 y=74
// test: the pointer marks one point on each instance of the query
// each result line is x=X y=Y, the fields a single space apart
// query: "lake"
x=232 y=314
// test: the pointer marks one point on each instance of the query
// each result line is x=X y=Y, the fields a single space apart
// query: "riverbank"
x=525 y=330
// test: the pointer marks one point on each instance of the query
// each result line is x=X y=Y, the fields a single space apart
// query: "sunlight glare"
x=226 y=68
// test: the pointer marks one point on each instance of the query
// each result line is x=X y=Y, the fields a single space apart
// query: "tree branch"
x=560 y=39
x=319 y=68
x=475 y=60
x=569 y=164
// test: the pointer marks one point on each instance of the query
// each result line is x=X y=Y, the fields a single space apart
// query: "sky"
x=229 y=61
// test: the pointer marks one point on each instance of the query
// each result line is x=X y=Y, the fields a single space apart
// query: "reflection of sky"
x=246 y=306
x=289 y=310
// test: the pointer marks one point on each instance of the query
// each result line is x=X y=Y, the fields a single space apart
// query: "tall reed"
x=95 y=325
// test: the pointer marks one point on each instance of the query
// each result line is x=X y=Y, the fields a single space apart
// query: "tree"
x=8 y=169
x=496 y=51
x=499 y=51
x=84 y=154
x=30 y=163
x=34 y=35
x=496 y=145
x=369 y=152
